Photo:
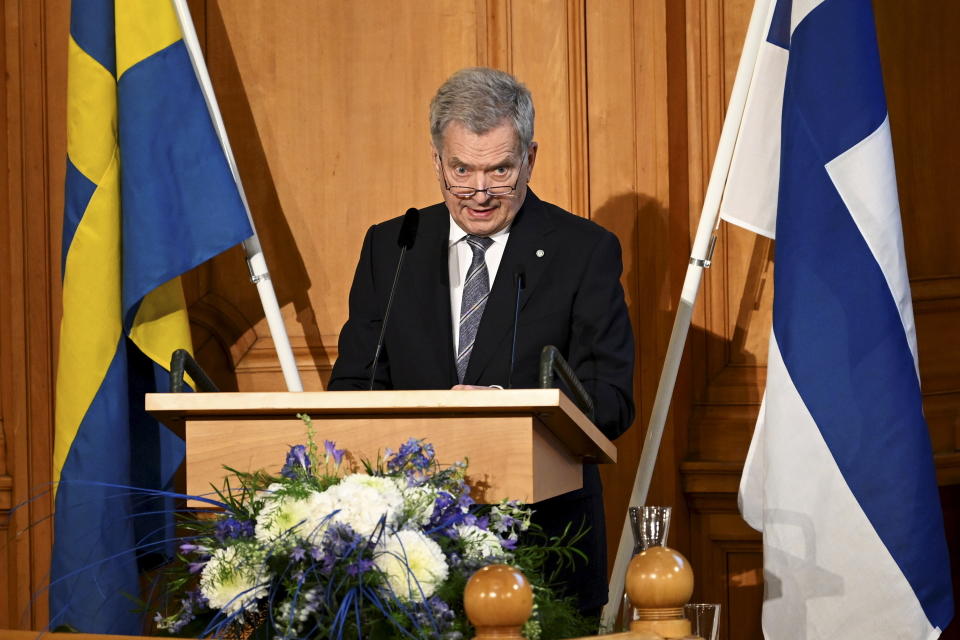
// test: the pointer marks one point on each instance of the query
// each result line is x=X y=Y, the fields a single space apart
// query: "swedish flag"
x=149 y=195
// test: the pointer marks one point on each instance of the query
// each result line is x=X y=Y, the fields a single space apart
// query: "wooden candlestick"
x=498 y=600
x=659 y=582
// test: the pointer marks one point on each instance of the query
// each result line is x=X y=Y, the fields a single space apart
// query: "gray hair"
x=481 y=99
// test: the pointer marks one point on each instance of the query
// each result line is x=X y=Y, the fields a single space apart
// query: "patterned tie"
x=476 y=290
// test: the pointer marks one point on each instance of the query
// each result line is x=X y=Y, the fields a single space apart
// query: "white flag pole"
x=251 y=246
x=700 y=257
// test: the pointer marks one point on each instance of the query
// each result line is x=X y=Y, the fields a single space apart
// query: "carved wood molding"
x=251 y=353
x=706 y=93
x=494 y=34
x=711 y=485
x=948 y=468
x=261 y=357
x=497 y=39
x=225 y=323
x=577 y=106
x=934 y=295
x=6 y=500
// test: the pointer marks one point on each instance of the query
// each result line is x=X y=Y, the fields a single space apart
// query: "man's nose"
x=482 y=183
x=481 y=196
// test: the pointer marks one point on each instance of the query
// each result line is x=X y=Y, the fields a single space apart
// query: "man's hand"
x=471 y=387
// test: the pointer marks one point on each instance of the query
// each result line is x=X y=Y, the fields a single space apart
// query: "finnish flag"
x=840 y=476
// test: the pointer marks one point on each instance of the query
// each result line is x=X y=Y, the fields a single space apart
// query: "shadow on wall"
x=223 y=303
x=656 y=245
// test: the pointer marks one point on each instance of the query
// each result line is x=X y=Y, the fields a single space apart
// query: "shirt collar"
x=457 y=234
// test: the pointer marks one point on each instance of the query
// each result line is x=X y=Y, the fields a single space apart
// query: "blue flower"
x=434 y=613
x=480 y=523
x=362 y=565
x=327 y=562
x=447 y=513
x=333 y=452
x=465 y=500
x=297 y=459
x=414 y=458
x=230 y=528
x=189 y=604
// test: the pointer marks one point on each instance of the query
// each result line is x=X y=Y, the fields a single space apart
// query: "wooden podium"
x=525 y=445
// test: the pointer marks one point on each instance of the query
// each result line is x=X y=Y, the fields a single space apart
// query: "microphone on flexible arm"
x=520 y=280
x=405 y=239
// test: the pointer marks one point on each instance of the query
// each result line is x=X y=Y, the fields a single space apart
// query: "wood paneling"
x=920 y=59
x=34 y=57
x=547 y=54
x=326 y=105
x=633 y=53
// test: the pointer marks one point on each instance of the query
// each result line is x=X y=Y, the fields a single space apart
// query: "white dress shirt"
x=459 y=256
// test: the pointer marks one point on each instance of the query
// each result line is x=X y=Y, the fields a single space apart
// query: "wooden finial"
x=659 y=577
x=498 y=600
x=659 y=582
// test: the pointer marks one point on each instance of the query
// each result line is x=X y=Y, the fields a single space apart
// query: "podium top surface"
x=551 y=406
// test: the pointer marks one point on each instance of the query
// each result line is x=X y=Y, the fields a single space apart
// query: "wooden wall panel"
x=7 y=556
x=921 y=95
x=547 y=54
x=326 y=107
x=634 y=144
x=34 y=88
x=920 y=59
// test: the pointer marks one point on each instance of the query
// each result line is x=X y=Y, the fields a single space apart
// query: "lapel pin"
x=539 y=253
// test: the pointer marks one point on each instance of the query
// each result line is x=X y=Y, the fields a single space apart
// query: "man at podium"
x=490 y=248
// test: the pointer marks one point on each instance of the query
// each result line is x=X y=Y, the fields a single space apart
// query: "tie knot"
x=479 y=244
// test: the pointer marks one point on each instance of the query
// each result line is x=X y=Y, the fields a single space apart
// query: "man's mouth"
x=482 y=213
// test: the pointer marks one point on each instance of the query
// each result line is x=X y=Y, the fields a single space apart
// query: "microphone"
x=520 y=280
x=408 y=229
x=405 y=240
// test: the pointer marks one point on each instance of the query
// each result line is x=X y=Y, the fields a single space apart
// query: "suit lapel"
x=529 y=235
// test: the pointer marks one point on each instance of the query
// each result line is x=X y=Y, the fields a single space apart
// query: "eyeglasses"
x=496 y=191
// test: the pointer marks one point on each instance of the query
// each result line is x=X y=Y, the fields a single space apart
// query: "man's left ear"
x=532 y=156
x=435 y=159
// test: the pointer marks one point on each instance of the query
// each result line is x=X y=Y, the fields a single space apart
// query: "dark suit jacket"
x=572 y=300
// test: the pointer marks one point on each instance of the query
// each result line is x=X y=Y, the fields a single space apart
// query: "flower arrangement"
x=322 y=551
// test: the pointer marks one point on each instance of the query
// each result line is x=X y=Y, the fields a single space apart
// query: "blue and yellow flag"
x=149 y=195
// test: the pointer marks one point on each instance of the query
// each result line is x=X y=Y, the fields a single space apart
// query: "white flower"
x=384 y=486
x=321 y=505
x=359 y=500
x=364 y=500
x=510 y=517
x=479 y=544
x=413 y=564
x=418 y=504
x=234 y=579
x=281 y=514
